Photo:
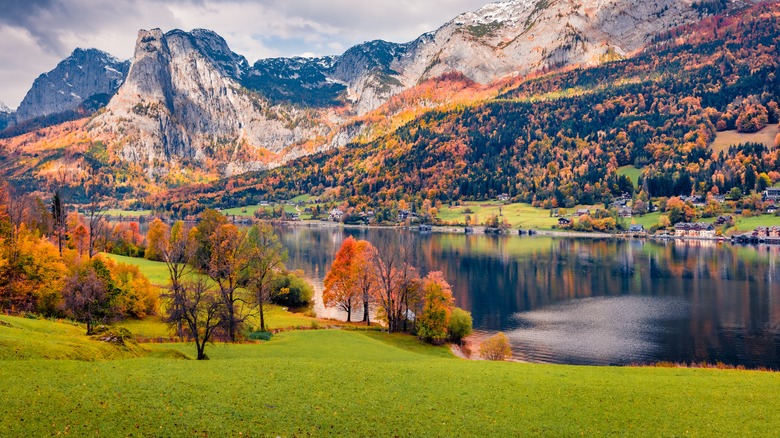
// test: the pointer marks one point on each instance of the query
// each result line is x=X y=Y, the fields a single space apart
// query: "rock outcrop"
x=5 y=115
x=87 y=77
x=183 y=100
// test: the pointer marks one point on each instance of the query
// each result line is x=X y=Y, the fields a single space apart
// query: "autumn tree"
x=87 y=296
x=31 y=273
x=134 y=294
x=341 y=289
x=198 y=307
x=265 y=257
x=156 y=240
x=495 y=347
x=229 y=260
x=435 y=316
x=208 y=222
x=679 y=211
x=366 y=280
x=753 y=118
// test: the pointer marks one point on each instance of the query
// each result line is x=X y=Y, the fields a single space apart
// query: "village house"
x=625 y=212
x=771 y=209
x=697 y=229
x=773 y=231
x=403 y=215
x=723 y=220
x=563 y=222
x=772 y=194
x=636 y=229
x=582 y=212
x=503 y=197
x=335 y=215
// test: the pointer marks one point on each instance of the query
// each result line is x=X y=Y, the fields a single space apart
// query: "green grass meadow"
x=517 y=215
x=251 y=209
x=156 y=272
x=632 y=172
x=348 y=383
x=128 y=213
x=275 y=317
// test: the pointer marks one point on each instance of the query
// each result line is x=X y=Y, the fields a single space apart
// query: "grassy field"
x=251 y=209
x=156 y=272
x=631 y=172
x=646 y=220
x=518 y=215
x=128 y=213
x=725 y=139
x=23 y=338
x=741 y=225
x=344 y=383
x=744 y=224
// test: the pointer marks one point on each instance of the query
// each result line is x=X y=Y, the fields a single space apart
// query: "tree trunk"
x=349 y=313
x=366 y=316
x=231 y=318
x=262 y=317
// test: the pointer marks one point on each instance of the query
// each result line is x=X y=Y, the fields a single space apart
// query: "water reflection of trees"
x=733 y=291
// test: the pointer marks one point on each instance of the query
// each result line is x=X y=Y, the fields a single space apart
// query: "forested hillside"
x=558 y=139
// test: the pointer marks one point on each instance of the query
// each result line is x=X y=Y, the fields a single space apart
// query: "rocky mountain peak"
x=216 y=49
x=184 y=100
x=4 y=109
x=85 y=75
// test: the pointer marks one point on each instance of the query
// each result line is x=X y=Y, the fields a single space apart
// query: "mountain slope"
x=190 y=105
x=511 y=38
x=558 y=140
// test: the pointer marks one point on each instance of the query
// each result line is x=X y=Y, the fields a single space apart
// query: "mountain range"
x=187 y=108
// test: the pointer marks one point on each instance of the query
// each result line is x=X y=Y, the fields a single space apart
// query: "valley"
x=534 y=218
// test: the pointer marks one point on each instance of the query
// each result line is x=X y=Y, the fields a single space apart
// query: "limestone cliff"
x=183 y=100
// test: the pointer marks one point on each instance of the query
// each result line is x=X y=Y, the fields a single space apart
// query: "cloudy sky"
x=36 y=34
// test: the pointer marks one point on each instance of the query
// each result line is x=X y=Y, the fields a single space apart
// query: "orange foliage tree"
x=341 y=283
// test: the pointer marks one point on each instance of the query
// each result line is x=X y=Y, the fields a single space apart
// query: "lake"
x=593 y=301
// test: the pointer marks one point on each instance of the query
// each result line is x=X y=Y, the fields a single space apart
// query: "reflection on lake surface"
x=595 y=301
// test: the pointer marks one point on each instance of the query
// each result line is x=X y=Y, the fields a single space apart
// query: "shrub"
x=496 y=347
x=260 y=336
x=460 y=324
x=291 y=290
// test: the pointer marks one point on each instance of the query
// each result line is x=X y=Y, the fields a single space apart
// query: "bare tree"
x=96 y=221
x=198 y=306
x=227 y=268
x=265 y=257
x=396 y=279
x=177 y=249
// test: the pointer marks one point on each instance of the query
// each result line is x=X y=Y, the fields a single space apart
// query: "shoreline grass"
x=353 y=383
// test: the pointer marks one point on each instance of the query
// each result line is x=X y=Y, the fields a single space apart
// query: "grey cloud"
x=255 y=29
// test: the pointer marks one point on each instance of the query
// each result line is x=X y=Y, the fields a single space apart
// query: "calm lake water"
x=594 y=301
